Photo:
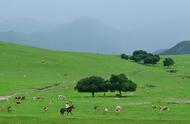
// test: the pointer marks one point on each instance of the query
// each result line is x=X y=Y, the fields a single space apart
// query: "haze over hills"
x=24 y=25
x=83 y=34
x=87 y=34
x=180 y=48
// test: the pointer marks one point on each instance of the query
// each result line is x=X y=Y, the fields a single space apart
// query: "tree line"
x=141 y=56
x=95 y=84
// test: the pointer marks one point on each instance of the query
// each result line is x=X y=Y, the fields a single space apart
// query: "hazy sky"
x=123 y=14
x=158 y=23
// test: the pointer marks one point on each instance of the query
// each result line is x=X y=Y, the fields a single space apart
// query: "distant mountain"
x=160 y=51
x=24 y=25
x=84 y=34
x=180 y=48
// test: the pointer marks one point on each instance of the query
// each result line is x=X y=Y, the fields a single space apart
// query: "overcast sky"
x=129 y=15
x=123 y=14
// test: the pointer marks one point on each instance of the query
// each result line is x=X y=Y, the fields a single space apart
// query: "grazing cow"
x=20 y=97
x=9 y=109
x=60 y=97
x=18 y=102
x=23 y=98
x=106 y=110
x=45 y=108
x=68 y=110
x=163 y=109
x=154 y=107
x=118 y=109
x=96 y=107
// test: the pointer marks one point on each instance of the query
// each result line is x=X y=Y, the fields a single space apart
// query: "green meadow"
x=33 y=72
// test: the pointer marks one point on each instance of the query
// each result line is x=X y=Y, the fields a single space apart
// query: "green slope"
x=23 y=65
x=25 y=69
x=180 y=48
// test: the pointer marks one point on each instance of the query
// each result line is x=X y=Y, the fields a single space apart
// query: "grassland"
x=25 y=70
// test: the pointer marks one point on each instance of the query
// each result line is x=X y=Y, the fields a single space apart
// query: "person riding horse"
x=68 y=108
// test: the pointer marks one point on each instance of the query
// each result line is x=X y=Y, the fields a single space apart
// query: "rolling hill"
x=31 y=71
x=180 y=48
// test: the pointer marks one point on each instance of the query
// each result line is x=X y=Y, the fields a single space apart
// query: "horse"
x=68 y=110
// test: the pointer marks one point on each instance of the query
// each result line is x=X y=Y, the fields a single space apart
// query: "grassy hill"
x=40 y=72
x=180 y=48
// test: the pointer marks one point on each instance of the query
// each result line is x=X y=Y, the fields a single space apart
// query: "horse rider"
x=67 y=105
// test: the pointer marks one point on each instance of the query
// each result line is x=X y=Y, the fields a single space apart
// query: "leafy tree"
x=151 y=59
x=121 y=83
x=145 y=57
x=124 y=56
x=139 y=55
x=168 y=62
x=139 y=52
x=92 y=84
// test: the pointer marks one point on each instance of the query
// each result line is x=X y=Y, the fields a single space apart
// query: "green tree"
x=124 y=56
x=121 y=83
x=92 y=84
x=139 y=55
x=168 y=62
x=151 y=59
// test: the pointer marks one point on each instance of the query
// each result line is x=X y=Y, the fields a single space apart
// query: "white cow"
x=60 y=97
x=118 y=109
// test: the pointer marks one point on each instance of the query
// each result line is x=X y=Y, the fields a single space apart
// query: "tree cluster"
x=141 y=56
x=124 y=56
x=95 y=84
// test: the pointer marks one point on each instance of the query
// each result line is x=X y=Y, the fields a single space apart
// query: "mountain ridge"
x=182 y=47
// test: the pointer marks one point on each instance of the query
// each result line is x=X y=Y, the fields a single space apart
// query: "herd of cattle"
x=118 y=108
x=18 y=99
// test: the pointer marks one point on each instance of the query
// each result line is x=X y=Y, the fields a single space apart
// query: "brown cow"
x=96 y=107
x=164 y=108
x=45 y=108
